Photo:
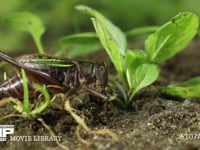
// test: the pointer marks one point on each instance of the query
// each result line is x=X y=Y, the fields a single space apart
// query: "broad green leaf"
x=80 y=38
x=117 y=35
x=185 y=90
x=110 y=45
x=145 y=75
x=134 y=58
x=27 y=22
x=80 y=44
x=141 y=30
x=83 y=49
x=172 y=37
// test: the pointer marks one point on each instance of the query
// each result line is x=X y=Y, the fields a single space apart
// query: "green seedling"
x=30 y=23
x=24 y=107
x=140 y=68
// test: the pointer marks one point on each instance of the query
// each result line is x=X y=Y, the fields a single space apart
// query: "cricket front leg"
x=95 y=93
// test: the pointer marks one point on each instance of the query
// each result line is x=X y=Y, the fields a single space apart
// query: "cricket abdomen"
x=12 y=87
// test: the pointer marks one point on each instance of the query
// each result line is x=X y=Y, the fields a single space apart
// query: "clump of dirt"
x=154 y=121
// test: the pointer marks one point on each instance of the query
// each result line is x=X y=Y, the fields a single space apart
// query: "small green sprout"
x=26 y=92
x=140 y=68
x=25 y=107
x=28 y=22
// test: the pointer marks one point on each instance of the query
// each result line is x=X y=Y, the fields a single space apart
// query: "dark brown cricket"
x=60 y=75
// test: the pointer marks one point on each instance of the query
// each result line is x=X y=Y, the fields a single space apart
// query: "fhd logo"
x=5 y=130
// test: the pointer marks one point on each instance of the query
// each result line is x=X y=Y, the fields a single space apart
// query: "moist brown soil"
x=153 y=121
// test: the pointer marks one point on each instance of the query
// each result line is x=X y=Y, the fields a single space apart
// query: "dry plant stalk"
x=52 y=134
x=82 y=123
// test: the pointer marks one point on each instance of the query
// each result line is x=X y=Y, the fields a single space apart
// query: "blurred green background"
x=61 y=19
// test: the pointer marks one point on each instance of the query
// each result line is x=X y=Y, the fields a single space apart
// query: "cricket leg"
x=95 y=93
x=102 y=96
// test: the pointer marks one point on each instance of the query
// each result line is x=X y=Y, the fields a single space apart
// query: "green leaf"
x=141 y=30
x=83 y=49
x=27 y=22
x=82 y=44
x=117 y=35
x=185 y=90
x=134 y=58
x=172 y=37
x=145 y=75
x=191 y=82
x=80 y=38
x=110 y=45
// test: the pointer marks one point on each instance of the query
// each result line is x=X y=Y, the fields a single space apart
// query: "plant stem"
x=26 y=92
x=38 y=43
x=46 y=95
x=132 y=94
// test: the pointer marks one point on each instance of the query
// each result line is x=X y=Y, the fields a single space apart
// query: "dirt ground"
x=154 y=121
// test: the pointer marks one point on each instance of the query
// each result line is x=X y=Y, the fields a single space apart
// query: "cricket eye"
x=101 y=74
